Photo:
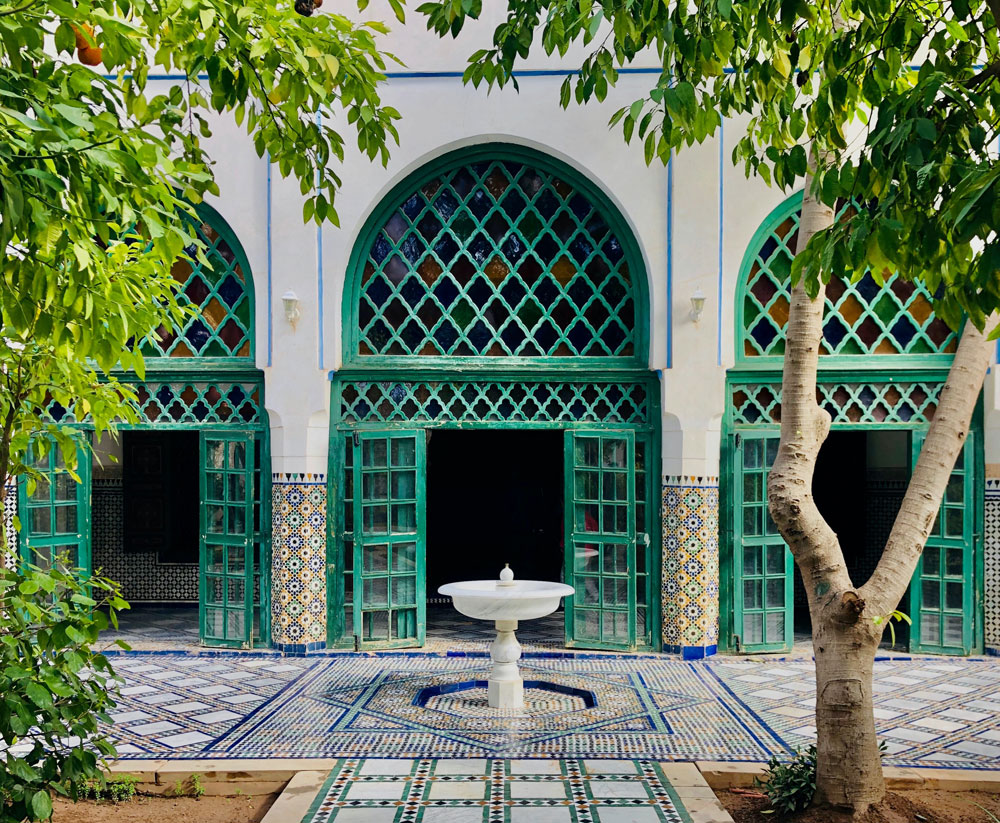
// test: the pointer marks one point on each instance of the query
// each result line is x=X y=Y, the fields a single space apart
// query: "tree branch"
x=922 y=501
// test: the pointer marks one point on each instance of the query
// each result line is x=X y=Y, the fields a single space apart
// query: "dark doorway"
x=859 y=484
x=160 y=490
x=494 y=497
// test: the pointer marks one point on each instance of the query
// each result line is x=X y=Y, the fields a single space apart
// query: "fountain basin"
x=517 y=600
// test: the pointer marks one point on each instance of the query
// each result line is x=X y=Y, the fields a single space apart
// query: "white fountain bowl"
x=522 y=600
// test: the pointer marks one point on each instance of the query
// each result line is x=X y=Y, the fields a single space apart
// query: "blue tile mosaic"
x=222 y=705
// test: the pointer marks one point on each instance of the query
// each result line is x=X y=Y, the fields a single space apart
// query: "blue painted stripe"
x=319 y=272
x=722 y=200
x=670 y=261
x=270 y=293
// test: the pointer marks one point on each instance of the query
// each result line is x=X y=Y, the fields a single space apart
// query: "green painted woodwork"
x=189 y=401
x=227 y=538
x=55 y=517
x=389 y=474
x=892 y=402
x=861 y=318
x=495 y=402
x=601 y=538
x=764 y=593
x=220 y=288
x=492 y=255
x=942 y=594
x=594 y=405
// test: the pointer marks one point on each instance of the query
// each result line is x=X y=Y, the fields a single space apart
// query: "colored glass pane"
x=860 y=318
x=218 y=288
x=496 y=259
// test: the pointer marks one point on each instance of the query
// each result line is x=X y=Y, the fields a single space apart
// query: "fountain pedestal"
x=506 y=601
x=505 y=688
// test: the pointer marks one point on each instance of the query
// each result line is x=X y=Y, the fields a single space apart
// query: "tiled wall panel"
x=690 y=580
x=992 y=565
x=298 y=564
x=141 y=577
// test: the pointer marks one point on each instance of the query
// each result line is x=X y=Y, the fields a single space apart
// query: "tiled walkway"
x=930 y=711
x=496 y=791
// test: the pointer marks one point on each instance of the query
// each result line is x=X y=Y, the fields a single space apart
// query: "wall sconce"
x=697 y=305
x=290 y=300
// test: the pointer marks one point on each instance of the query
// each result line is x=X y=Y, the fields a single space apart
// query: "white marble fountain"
x=506 y=601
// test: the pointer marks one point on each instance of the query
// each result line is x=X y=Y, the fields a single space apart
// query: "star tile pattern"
x=496 y=791
x=689 y=583
x=930 y=711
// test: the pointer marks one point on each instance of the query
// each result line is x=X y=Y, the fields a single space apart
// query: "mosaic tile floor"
x=496 y=791
x=929 y=710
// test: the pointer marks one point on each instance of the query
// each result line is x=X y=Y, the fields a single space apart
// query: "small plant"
x=898 y=617
x=118 y=789
x=790 y=786
x=192 y=787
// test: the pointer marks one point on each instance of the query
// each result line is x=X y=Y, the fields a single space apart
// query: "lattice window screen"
x=497 y=259
x=848 y=402
x=223 y=326
x=446 y=401
x=860 y=318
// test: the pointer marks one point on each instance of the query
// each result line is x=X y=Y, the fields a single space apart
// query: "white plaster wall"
x=715 y=211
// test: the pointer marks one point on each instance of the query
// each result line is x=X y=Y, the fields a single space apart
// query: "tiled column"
x=690 y=582
x=991 y=549
x=9 y=512
x=298 y=562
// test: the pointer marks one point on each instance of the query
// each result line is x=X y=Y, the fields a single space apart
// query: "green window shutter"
x=942 y=592
x=389 y=471
x=763 y=567
x=55 y=517
x=228 y=528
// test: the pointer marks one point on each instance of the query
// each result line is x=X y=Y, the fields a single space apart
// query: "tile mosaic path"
x=930 y=711
x=496 y=791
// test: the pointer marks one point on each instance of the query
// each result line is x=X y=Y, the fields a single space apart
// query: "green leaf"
x=41 y=805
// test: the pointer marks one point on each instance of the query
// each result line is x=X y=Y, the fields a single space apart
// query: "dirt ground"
x=921 y=806
x=157 y=809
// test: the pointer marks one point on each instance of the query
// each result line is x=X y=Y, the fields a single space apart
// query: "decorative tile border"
x=9 y=513
x=497 y=791
x=298 y=570
x=689 y=587
x=991 y=551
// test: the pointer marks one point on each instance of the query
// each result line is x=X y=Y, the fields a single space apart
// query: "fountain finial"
x=506 y=576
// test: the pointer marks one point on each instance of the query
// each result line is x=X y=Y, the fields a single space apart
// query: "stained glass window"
x=498 y=258
x=861 y=318
x=223 y=294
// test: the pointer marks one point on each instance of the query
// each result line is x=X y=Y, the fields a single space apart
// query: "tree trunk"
x=849 y=773
x=845 y=634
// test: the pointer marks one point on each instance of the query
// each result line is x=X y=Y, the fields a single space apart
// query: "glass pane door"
x=227 y=538
x=389 y=477
x=764 y=567
x=601 y=539
x=942 y=592
x=55 y=514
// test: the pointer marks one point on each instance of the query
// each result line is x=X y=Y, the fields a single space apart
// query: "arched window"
x=222 y=291
x=496 y=252
x=860 y=318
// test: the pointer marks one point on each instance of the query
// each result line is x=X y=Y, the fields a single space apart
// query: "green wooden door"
x=763 y=591
x=389 y=482
x=942 y=593
x=55 y=514
x=601 y=539
x=227 y=538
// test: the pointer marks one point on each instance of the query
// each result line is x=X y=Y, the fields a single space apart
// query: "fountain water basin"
x=505 y=601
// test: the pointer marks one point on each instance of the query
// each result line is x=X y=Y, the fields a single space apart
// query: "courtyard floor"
x=180 y=705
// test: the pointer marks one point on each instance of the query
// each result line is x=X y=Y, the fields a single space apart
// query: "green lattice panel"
x=848 y=403
x=859 y=318
x=452 y=402
x=497 y=259
x=180 y=402
x=219 y=291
